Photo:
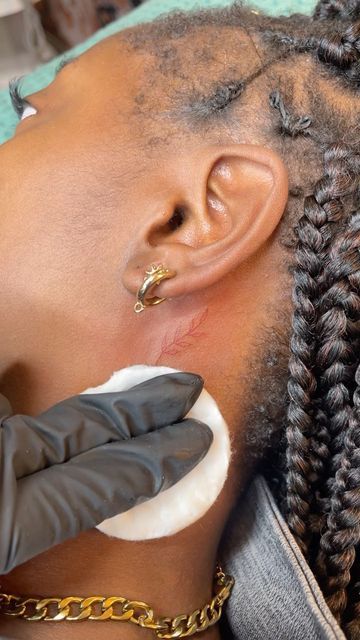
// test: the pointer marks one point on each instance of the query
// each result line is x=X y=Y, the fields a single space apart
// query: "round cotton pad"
x=190 y=498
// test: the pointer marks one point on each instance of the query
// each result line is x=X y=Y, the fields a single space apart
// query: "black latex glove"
x=91 y=457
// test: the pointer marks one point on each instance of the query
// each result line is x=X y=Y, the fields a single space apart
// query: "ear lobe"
x=246 y=190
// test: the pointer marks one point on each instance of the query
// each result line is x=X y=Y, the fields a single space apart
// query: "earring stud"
x=153 y=276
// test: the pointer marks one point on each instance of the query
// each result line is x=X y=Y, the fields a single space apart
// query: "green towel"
x=144 y=13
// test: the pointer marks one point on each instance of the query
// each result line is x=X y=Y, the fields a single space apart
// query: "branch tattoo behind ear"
x=184 y=336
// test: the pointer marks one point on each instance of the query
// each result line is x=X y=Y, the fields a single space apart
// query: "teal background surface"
x=44 y=74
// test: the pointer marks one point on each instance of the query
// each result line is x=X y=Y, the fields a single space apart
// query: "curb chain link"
x=119 y=609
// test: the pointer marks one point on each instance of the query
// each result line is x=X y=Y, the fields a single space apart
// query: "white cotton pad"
x=191 y=497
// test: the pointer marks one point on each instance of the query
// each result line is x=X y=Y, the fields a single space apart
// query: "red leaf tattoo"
x=180 y=340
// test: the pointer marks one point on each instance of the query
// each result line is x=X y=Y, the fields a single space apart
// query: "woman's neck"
x=174 y=575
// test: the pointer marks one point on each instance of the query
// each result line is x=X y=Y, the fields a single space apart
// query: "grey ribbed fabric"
x=276 y=595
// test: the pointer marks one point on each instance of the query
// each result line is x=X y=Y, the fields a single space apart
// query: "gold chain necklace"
x=73 y=608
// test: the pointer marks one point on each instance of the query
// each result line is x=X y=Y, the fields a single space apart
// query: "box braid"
x=320 y=469
x=326 y=322
x=338 y=360
x=330 y=9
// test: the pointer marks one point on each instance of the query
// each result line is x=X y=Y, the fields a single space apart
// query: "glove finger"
x=82 y=422
x=152 y=404
x=61 y=501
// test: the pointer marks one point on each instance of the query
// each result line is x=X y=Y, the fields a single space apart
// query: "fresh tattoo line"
x=182 y=338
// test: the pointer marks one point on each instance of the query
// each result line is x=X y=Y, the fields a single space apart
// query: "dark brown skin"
x=83 y=213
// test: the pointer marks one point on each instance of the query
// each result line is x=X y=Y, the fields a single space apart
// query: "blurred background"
x=35 y=31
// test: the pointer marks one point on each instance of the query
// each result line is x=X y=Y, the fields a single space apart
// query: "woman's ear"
x=229 y=200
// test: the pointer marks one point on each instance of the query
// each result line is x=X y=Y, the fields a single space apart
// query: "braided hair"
x=318 y=470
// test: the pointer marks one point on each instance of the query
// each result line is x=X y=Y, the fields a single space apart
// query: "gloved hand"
x=91 y=457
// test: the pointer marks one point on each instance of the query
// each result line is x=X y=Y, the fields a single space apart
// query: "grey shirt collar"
x=276 y=595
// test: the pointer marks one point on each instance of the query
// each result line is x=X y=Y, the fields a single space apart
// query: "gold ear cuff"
x=153 y=276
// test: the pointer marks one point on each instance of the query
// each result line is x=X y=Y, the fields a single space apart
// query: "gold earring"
x=153 y=276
